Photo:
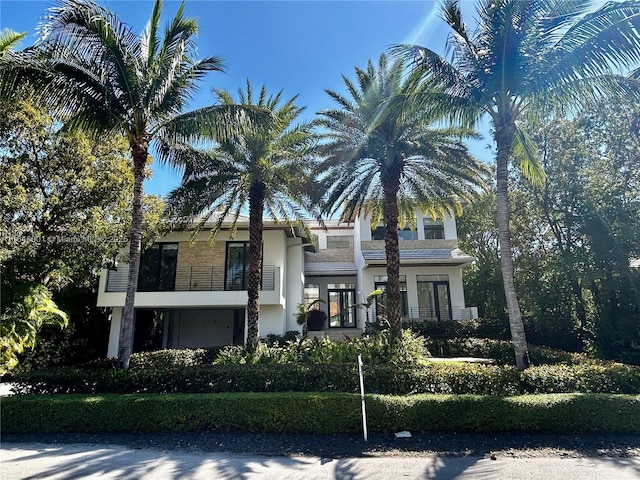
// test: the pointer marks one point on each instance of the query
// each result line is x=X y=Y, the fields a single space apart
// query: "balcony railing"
x=199 y=279
x=420 y=314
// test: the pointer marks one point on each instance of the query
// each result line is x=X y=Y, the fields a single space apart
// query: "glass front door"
x=342 y=308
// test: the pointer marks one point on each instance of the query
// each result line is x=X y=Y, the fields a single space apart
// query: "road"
x=25 y=461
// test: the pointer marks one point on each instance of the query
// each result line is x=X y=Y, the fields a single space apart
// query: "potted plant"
x=310 y=315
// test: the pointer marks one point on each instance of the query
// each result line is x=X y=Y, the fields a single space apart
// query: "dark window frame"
x=152 y=276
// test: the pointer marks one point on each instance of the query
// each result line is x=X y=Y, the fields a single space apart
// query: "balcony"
x=413 y=315
x=198 y=279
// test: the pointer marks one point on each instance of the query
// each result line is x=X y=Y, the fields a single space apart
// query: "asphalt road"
x=22 y=461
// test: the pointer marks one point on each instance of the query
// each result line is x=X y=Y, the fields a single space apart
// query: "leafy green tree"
x=264 y=166
x=591 y=202
x=94 y=72
x=478 y=234
x=65 y=212
x=386 y=156
x=524 y=56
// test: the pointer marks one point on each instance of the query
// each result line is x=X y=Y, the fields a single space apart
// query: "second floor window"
x=405 y=233
x=339 y=241
x=433 y=229
x=236 y=266
x=158 y=268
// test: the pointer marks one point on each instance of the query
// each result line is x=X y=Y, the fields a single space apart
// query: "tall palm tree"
x=384 y=155
x=94 y=72
x=264 y=166
x=524 y=55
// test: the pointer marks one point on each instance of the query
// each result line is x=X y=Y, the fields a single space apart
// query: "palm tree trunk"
x=256 y=209
x=504 y=139
x=125 y=342
x=392 y=251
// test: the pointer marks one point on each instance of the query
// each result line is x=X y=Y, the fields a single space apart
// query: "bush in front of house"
x=322 y=413
x=501 y=351
x=441 y=378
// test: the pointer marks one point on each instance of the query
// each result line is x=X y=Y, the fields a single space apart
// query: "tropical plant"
x=384 y=157
x=19 y=324
x=524 y=56
x=92 y=71
x=265 y=166
x=9 y=40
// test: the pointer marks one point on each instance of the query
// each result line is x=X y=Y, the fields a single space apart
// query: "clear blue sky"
x=300 y=47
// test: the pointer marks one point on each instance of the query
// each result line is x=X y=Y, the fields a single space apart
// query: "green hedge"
x=442 y=378
x=499 y=350
x=323 y=413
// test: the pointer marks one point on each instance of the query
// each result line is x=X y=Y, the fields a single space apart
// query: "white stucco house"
x=192 y=294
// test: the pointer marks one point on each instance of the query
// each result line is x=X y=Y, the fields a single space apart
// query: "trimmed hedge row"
x=324 y=413
x=441 y=378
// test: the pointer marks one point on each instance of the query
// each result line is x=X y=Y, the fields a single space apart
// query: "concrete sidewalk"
x=22 y=461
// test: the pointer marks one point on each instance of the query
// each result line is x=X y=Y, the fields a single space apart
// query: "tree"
x=591 y=202
x=386 y=156
x=524 y=56
x=9 y=40
x=65 y=214
x=265 y=166
x=94 y=72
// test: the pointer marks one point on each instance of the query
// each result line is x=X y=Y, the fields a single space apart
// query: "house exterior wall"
x=190 y=309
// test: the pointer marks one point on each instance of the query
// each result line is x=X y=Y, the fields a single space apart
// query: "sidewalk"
x=22 y=461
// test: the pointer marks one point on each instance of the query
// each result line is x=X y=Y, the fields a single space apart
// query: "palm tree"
x=264 y=166
x=95 y=73
x=384 y=155
x=523 y=56
x=9 y=39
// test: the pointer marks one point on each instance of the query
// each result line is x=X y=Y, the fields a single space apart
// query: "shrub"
x=499 y=350
x=174 y=358
x=442 y=378
x=448 y=329
x=379 y=348
x=322 y=413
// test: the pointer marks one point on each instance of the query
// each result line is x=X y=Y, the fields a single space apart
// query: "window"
x=236 y=266
x=378 y=233
x=405 y=233
x=433 y=229
x=339 y=241
x=380 y=282
x=434 y=301
x=158 y=268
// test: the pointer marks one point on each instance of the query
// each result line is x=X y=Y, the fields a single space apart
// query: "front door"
x=342 y=308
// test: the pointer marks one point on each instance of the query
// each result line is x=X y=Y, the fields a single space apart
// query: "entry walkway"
x=25 y=461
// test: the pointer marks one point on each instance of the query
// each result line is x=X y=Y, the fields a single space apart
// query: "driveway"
x=22 y=461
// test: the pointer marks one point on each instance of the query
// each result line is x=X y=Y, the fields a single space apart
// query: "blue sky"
x=300 y=47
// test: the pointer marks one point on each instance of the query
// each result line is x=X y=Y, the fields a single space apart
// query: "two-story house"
x=193 y=294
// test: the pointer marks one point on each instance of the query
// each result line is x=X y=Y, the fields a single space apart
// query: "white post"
x=364 y=411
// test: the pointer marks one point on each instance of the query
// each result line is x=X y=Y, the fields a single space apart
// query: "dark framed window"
x=433 y=229
x=236 y=266
x=380 y=283
x=434 y=299
x=405 y=233
x=158 y=268
x=377 y=233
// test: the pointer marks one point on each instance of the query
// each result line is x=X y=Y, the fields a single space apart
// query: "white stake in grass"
x=364 y=410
